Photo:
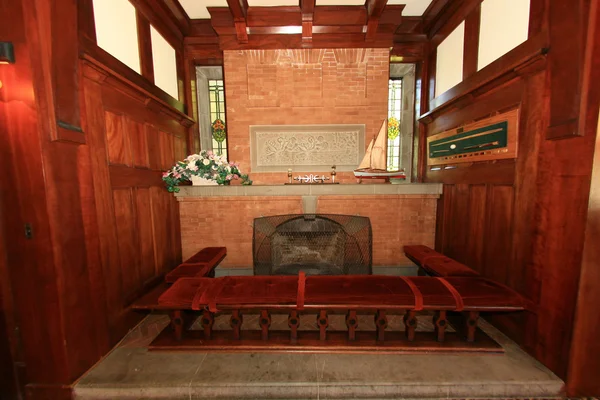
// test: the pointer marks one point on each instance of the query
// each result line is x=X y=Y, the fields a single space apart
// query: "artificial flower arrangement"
x=206 y=168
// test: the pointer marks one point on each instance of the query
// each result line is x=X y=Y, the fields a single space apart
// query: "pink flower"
x=236 y=177
x=229 y=177
x=209 y=153
x=165 y=174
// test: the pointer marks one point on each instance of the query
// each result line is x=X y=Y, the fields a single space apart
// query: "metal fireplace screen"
x=318 y=244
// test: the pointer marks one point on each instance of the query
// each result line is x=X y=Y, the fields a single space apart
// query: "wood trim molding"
x=239 y=11
x=524 y=59
x=145 y=46
x=99 y=72
x=471 y=46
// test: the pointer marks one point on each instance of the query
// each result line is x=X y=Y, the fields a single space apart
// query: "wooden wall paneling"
x=497 y=173
x=125 y=177
x=476 y=233
x=85 y=19
x=584 y=359
x=8 y=340
x=153 y=136
x=444 y=213
x=139 y=108
x=498 y=232
x=95 y=124
x=65 y=63
x=145 y=46
x=167 y=150
x=565 y=67
x=501 y=98
x=128 y=239
x=431 y=66
x=143 y=206
x=138 y=143
x=525 y=277
x=179 y=148
x=458 y=217
x=124 y=79
x=471 y=48
x=117 y=142
x=538 y=19
x=161 y=236
x=420 y=131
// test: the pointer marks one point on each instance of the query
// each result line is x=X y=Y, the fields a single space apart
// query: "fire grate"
x=318 y=244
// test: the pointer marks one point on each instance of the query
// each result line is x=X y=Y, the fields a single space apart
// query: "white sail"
x=366 y=161
x=379 y=151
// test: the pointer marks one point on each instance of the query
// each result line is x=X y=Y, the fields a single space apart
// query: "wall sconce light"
x=7 y=53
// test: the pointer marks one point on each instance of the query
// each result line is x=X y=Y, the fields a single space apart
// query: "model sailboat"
x=374 y=163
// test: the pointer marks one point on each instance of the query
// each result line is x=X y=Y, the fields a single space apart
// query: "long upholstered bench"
x=322 y=296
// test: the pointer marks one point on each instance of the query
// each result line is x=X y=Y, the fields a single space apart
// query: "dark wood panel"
x=117 y=143
x=456 y=219
x=166 y=150
x=127 y=237
x=124 y=177
x=143 y=205
x=153 y=136
x=476 y=234
x=498 y=232
x=138 y=143
x=160 y=231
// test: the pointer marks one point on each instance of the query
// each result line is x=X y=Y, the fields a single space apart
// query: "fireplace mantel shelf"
x=429 y=189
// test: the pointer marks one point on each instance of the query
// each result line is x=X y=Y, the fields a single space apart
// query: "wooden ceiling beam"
x=239 y=11
x=374 y=11
x=308 y=10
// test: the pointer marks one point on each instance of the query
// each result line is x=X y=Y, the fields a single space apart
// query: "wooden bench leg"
x=440 y=323
x=208 y=320
x=352 y=324
x=177 y=323
x=265 y=322
x=381 y=323
x=235 y=322
x=323 y=323
x=410 y=325
x=294 y=323
x=471 y=325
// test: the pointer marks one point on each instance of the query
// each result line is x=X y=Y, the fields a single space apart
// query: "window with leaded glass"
x=394 y=117
x=216 y=97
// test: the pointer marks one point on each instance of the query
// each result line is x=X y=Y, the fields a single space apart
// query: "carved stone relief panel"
x=313 y=148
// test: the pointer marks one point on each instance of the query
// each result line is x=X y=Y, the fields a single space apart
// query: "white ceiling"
x=196 y=9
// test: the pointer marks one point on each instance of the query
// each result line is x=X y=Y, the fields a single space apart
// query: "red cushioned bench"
x=379 y=296
x=437 y=264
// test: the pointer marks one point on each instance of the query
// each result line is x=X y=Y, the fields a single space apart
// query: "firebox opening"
x=318 y=244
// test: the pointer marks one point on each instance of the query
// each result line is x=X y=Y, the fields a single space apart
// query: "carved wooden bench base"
x=310 y=341
x=321 y=296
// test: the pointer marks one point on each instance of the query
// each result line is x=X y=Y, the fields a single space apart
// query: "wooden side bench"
x=201 y=264
x=379 y=296
x=437 y=264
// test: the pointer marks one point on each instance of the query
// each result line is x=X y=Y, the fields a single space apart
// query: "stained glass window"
x=394 y=119
x=216 y=96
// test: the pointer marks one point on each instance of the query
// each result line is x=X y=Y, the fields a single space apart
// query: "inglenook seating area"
x=454 y=300
x=299 y=199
